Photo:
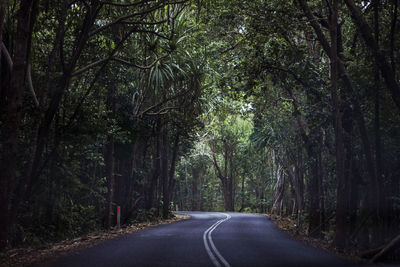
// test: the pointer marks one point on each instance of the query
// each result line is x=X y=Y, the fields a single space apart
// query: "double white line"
x=212 y=251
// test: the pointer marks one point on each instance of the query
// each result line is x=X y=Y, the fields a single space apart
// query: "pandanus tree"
x=59 y=50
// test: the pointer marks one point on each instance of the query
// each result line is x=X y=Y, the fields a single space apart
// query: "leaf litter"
x=46 y=255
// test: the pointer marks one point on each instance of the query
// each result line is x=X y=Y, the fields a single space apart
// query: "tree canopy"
x=285 y=107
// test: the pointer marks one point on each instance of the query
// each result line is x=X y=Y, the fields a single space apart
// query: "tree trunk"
x=195 y=179
x=110 y=162
x=340 y=233
x=224 y=180
x=382 y=212
x=172 y=181
x=279 y=191
x=393 y=33
x=231 y=184
x=242 y=193
x=13 y=111
x=156 y=170
x=164 y=169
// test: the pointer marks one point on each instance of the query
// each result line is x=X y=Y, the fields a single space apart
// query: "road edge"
x=315 y=242
x=46 y=256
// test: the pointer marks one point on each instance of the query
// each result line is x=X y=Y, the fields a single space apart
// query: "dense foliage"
x=288 y=107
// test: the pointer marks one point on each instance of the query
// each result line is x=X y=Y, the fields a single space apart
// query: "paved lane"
x=207 y=239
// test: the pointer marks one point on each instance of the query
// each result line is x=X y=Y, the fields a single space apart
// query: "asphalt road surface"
x=207 y=239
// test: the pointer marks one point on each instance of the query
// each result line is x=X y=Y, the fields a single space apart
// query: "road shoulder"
x=289 y=226
x=46 y=255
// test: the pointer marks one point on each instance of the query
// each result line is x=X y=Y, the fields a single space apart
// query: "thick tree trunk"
x=12 y=117
x=225 y=182
x=227 y=198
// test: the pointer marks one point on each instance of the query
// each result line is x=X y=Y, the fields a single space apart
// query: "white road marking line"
x=210 y=254
x=214 y=250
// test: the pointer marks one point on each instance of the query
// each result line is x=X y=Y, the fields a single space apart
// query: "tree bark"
x=340 y=233
x=13 y=111
x=3 y=5
x=393 y=33
x=164 y=168
x=224 y=182
x=156 y=170
x=279 y=191
x=172 y=181
x=195 y=181
x=110 y=160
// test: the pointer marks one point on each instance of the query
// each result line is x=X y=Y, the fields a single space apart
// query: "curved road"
x=207 y=239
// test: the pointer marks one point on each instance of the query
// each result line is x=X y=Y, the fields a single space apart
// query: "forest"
x=151 y=106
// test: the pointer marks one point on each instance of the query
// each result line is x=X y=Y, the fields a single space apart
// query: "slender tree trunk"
x=340 y=234
x=156 y=170
x=195 y=179
x=172 y=181
x=380 y=218
x=350 y=180
x=164 y=169
x=279 y=191
x=300 y=177
x=393 y=31
x=231 y=184
x=314 y=229
x=242 y=193
x=110 y=161
x=321 y=185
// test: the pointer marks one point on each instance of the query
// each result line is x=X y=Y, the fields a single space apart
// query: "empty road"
x=207 y=239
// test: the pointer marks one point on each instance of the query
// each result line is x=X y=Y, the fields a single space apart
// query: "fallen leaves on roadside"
x=46 y=255
x=289 y=225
